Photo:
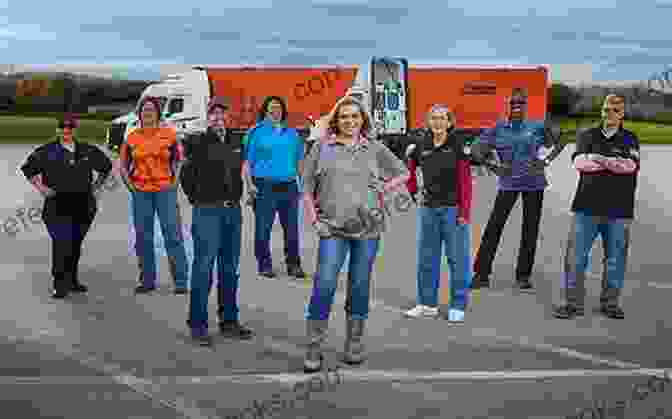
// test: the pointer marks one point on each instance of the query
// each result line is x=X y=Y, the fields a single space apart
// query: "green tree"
x=562 y=99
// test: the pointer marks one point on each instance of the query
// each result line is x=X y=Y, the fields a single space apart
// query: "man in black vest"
x=213 y=183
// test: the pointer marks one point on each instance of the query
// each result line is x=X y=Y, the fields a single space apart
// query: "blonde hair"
x=440 y=108
x=332 y=118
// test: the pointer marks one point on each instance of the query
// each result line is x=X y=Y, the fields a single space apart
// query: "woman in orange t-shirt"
x=149 y=160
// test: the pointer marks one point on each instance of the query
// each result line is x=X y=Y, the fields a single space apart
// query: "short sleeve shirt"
x=152 y=154
x=274 y=152
x=347 y=181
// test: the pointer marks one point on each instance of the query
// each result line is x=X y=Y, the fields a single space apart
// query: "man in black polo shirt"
x=607 y=158
x=212 y=180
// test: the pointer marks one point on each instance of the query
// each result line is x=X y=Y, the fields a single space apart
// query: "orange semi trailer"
x=477 y=94
x=396 y=94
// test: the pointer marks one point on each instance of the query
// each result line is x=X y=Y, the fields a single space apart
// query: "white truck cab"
x=380 y=83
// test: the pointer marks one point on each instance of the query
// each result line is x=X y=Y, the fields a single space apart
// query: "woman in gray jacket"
x=344 y=178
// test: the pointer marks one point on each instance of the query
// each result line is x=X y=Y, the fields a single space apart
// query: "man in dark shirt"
x=212 y=180
x=62 y=171
x=607 y=158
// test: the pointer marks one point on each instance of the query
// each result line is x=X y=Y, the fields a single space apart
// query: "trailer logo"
x=316 y=85
x=479 y=88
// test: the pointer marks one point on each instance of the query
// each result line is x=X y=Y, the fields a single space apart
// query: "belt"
x=218 y=204
x=229 y=204
x=274 y=182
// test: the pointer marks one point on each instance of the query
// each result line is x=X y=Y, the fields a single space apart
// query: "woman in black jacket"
x=212 y=180
x=61 y=171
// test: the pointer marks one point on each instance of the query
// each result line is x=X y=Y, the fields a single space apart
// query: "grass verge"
x=647 y=132
x=34 y=130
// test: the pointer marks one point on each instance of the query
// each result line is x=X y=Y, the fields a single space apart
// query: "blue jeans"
x=145 y=206
x=331 y=254
x=616 y=241
x=282 y=199
x=217 y=235
x=438 y=229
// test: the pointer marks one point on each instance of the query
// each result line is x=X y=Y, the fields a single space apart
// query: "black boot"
x=612 y=311
x=233 y=329
x=480 y=281
x=523 y=284
x=77 y=286
x=61 y=287
x=296 y=271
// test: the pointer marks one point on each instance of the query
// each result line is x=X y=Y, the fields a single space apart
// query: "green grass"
x=647 y=132
x=31 y=130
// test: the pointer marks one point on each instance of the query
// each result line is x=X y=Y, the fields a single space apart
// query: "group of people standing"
x=341 y=181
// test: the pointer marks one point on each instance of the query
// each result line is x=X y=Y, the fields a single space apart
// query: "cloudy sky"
x=582 y=40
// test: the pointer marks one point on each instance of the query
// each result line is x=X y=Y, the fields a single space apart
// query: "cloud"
x=619 y=38
x=216 y=35
x=382 y=15
x=472 y=48
x=296 y=58
x=641 y=58
x=663 y=5
x=332 y=43
x=26 y=32
x=564 y=36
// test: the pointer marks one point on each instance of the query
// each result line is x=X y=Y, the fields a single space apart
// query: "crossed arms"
x=590 y=163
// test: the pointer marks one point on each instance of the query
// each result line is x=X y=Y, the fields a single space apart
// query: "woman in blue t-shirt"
x=274 y=162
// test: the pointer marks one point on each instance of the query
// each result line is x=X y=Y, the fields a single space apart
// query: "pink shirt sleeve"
x=464 y=190
x=583 y=164
x=622 y=166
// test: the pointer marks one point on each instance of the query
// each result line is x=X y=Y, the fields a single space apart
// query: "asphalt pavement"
x=113 y=354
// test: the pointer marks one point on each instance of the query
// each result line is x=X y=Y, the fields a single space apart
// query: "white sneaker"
x=422 y=311
x=455 y=316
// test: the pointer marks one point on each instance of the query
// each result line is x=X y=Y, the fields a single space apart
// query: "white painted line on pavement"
x=660 y=285
x=410 y=376
x=356 y=375
x=147 y=388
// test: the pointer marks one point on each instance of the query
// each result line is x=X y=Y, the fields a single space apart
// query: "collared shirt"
x=436 y=169
x=274 y=152
x=68 y=173
x=347 y=181
x=517 y=143
x=605 y=193
x=212 y=173
x=152 y=155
